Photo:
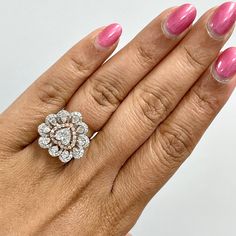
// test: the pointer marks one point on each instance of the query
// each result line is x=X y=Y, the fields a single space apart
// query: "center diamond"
x=64 y=135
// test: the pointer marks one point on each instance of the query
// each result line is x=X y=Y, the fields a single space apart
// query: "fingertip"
x=224 y=68
x=109 y=36
x=179 y=20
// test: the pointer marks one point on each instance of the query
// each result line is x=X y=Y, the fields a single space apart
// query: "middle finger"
x=158 y=94
x=104 y=91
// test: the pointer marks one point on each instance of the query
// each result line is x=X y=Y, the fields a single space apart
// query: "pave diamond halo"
x=64 y=135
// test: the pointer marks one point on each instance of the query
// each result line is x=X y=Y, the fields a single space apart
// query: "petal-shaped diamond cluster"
x=64 y=135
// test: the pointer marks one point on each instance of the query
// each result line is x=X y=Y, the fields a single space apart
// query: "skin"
x=105 y=191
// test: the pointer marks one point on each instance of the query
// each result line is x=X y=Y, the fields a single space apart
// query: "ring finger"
x=109 y=85
x=52 y=91
x=158 y=94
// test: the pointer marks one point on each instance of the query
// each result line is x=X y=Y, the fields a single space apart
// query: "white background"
x=200 y=198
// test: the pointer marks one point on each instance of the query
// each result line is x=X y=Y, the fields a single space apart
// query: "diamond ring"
x=64 y=135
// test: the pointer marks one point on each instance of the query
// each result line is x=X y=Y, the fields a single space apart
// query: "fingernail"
x=180 y=19
x=109 y=35
x=224 y=68
x=222 y=19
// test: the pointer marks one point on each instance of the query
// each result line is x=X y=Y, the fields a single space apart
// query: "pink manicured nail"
x=180 y=19
x=109 y=35
x=223 y=19
x=225 y=65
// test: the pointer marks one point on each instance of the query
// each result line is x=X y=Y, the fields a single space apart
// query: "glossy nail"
x=224 y=68
x=109 y=35
x=180 y=19
x=223 y=19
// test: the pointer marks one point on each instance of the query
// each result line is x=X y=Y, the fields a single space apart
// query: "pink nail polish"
x=109 y=35
x=180 y=19
x=223 y=19
x=225 y=65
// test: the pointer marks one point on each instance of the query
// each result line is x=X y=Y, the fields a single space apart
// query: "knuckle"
x=78 y=65
x=106 y=91
x=50 y=93
x=194 y=57
x=204 y=101
x=175 y=143
x=144 y=55
x=153 y=104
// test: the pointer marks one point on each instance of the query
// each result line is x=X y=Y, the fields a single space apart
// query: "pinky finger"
x=158 y=159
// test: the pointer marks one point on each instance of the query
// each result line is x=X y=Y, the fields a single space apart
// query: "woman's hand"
x=150 y=103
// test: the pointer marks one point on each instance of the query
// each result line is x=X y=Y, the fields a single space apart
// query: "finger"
x=173 y=141
x=157 y=95
x=53 y=89
x=99 y=97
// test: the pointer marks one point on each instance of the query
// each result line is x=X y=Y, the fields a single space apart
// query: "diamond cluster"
x=64 y=135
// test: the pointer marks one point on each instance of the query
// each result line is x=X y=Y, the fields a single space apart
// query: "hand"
x=150 y=104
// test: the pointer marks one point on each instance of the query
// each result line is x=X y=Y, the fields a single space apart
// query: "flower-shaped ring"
x=64 y=135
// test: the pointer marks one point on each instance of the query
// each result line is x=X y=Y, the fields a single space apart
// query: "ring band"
x=64 y=135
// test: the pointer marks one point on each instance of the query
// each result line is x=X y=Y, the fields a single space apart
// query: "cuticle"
x=167 y=33
x=216 y=76
x=212 y=34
